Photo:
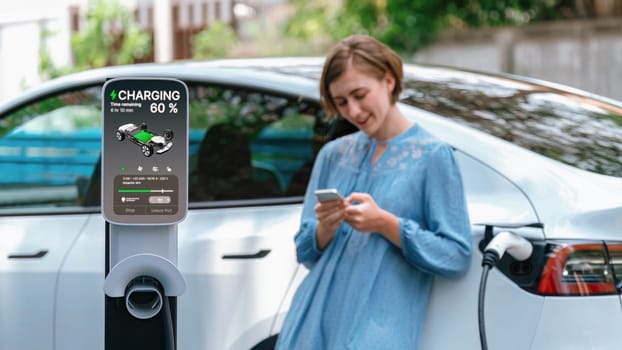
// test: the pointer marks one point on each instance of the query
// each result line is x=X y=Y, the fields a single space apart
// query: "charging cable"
x=144 y=299
x=518 y=247
x=167 y=319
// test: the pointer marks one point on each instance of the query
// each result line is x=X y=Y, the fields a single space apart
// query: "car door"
x=47 y=156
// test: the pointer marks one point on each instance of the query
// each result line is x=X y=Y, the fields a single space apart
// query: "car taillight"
x=580 y=269
x=615 y=260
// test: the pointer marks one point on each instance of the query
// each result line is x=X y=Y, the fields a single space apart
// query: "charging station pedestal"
x=144 y=197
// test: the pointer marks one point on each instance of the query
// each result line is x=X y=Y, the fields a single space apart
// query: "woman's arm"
x=444 y=246
x=319 y=221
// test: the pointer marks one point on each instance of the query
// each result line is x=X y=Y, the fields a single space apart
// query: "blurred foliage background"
x=310 y=28
x=408 y=25
x=111 y=36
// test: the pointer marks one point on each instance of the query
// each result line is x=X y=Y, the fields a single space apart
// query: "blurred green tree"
x=111 y=36
x=407 y=25
x=215 y=41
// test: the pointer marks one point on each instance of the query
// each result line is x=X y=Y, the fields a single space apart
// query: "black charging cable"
x=145 y=307
x=517 y=246
x=169 y=334
x=490 y=260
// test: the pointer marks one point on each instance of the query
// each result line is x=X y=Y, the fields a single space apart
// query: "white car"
x=541 y=160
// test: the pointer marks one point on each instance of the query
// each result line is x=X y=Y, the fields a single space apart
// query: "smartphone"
x=327 y=195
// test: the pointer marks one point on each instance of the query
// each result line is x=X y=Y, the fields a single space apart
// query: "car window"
x=576 y=130
x=243 y=144
x=250 y=145
x=49 y=151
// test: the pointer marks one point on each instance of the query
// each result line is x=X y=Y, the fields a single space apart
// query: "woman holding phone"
x=403 y=220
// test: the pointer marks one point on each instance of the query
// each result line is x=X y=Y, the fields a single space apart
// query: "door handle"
x=260 y=254
x=37 y=255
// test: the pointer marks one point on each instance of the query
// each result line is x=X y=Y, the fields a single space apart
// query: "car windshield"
x=580 y=131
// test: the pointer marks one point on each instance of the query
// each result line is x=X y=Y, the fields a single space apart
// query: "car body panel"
x=491 y=198
x=32 y=250
x=247 y=292
x=79 y=317
x=576 y=323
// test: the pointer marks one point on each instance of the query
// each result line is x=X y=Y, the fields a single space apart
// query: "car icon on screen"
x=148 y=141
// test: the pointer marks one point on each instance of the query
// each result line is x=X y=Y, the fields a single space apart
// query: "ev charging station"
x=144 y=197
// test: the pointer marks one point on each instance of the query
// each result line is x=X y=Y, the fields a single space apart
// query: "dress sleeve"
x=307 y=251
x=444 y=246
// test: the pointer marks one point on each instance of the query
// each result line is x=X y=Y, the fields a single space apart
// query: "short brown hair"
x=367 y=54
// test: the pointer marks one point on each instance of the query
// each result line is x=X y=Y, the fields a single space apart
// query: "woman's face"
x=362 y=99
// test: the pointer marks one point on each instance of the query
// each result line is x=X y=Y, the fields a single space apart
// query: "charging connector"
x=144 y=299
x=518 y=247
x=144 y=296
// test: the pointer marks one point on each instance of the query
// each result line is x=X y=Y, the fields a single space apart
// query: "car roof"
x=261 y=73
x=299 y=74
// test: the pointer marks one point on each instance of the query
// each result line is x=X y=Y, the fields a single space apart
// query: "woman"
x=373 y=255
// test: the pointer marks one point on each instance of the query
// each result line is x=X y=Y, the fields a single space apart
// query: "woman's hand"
x=365 y=216
x=329 y=216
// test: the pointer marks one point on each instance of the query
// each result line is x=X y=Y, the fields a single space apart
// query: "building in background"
x=584 y=53
x=581 y=53
x=22 y=26
x=173 y=24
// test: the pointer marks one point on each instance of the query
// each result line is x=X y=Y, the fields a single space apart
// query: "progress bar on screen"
x=140 y=190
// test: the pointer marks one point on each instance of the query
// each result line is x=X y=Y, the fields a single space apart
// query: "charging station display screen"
x=144 y=151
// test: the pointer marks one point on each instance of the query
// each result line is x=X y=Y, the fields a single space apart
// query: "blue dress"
x=363 y=292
